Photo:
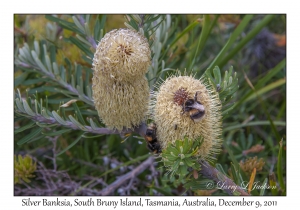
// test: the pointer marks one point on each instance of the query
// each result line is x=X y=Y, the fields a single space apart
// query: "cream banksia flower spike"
x=120 y=89
x=123 y=55
x=121 y=104
x=188 y=108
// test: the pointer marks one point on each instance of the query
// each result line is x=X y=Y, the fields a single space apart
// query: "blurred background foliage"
x=255 y=45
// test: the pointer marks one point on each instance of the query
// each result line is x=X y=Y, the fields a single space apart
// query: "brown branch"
x=227 y=184
x=130 y=175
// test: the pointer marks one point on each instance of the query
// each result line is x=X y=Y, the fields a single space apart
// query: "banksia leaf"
x=177 y=160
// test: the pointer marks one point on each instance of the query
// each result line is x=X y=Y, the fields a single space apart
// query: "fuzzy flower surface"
x=122 y=54
x=121 y=104
x=174 y=124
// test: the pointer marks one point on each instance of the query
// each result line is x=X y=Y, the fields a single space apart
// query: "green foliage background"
x=255 y=115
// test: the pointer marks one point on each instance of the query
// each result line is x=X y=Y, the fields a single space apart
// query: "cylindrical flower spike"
x=120 y=89
x=187 y=107
x=121 y=104
x=122 y=55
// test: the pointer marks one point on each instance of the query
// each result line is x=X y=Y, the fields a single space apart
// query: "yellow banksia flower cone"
x=173 y=124
x=122 y=54
x=121 y=104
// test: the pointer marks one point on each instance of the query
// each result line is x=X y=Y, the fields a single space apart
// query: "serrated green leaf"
x=29 y=136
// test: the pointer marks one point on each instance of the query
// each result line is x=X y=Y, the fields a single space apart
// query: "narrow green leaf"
x=220 y=168
x=71 y=145
x=271 y=73
x=38 y=62
x=235 y=172
x=93 y=125
x=20 y=79
x=186 y=30
x=45 y=125
x=239 y=29
x=78 y=24
x=25 y=127
x=64 y=24
x=36 y=138
x=35 y=81
x=78 y=113
x=232 y=157
x=217 y=75
x=279 y=167
x=28 y=109
x=206 y=29
x=82 y=46
x=262 y=82
x=58 y=118
x=92 y=136
x=83 y=40
x=246 y=39
x=262 y=190
x=277 y=123
x=37 y=47
x=75 y=122
x=20 y=106
x=29 y=136
x=55 y=68
x=266 y=89
x=162 y=191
